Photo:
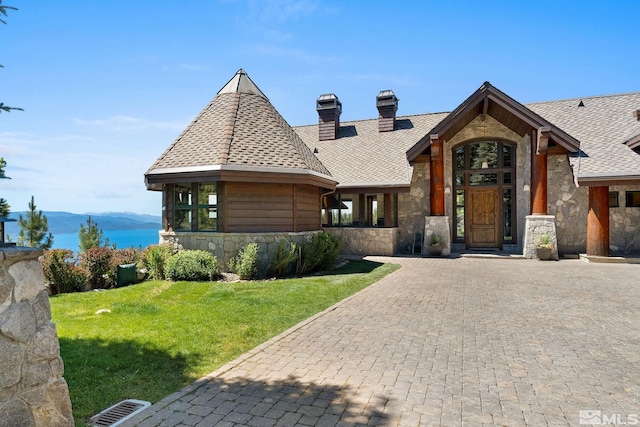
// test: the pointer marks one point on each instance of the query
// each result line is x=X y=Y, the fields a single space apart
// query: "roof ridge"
x=584 y=97
x=376 y=118
x=229 y=127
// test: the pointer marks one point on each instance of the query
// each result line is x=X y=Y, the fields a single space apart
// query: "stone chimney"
x=387 y=104
x=637 y=114
x=329 y=109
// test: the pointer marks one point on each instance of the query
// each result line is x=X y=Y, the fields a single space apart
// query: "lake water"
x=122 y=239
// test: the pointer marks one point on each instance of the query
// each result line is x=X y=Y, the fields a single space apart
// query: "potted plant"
x=436 y=244
x=544 y=247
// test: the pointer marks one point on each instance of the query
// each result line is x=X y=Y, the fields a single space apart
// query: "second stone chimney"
x=387 y=104
x=329 y=109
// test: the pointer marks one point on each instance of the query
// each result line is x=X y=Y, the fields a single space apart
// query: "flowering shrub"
x=61 y=270
x=97 y=261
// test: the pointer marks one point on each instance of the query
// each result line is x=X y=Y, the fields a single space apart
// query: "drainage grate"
x=119 y=412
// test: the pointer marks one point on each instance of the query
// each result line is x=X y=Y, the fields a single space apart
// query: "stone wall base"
x=356 y=241
x=381 y=241
x=535 y=227
x=437 y=225
x=225 y=246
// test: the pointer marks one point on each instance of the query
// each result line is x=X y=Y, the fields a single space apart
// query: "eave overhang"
x=633 y=142
x=606 y=179
x=156 y=178
x=373 y=187
x=489 y=100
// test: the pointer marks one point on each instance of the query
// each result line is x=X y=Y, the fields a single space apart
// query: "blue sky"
x=107 y=85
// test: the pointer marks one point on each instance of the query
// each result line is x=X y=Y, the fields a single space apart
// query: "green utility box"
x=126 y=274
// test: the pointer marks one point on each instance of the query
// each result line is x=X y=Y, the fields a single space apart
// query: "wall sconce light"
x=526 y=187
x=447 y=189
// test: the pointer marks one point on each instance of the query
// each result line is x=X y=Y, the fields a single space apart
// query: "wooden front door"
x=483 y=218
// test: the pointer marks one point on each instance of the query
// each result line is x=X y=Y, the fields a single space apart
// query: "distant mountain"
x=65 y=222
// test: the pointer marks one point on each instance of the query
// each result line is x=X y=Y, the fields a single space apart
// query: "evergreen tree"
x=3 y=11
x=4 y=208
x=91 y=236
x=34 y=229
x=3 y=164
x=4 y=205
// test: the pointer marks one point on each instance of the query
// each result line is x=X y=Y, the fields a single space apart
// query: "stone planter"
x=544 y=254
x=435 y=250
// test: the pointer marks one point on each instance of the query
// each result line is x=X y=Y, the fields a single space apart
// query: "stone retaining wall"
x=32 y=390
x=227 y=245
x=367 y=241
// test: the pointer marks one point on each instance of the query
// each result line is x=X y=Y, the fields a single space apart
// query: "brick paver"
x=442 y=342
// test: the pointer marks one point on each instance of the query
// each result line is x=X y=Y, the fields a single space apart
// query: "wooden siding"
x=256 y=207
x=307 y=208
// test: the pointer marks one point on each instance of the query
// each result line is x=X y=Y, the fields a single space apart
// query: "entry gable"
x=512 y=114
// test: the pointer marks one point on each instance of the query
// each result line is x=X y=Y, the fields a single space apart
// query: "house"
x=238 y=173
x=491 y=174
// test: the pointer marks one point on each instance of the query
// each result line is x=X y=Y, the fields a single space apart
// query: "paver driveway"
x=442 y=342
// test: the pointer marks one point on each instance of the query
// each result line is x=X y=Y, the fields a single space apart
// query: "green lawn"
x=160 y=336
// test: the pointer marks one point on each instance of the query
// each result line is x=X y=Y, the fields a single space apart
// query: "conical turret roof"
x=239 y=128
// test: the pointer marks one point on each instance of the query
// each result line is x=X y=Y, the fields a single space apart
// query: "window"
x=207 y=207
x=460 y=213
x=614 y=202
x=198 y=213
x=632 y=199
x=182 y=207
x=360 y=210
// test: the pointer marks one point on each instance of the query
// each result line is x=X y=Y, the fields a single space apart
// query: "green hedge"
x=195 y=265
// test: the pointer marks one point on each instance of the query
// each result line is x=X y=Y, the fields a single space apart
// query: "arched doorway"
x=484 y=194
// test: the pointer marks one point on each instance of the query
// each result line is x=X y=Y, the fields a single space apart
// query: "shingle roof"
x=602 y=126
x=362 y=156
x=239 y=127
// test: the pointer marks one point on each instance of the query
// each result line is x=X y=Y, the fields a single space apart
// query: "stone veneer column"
x=536 y=226
x=437 y=225
x=32 y=390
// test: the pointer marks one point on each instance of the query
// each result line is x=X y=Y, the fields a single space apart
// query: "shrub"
x=286 y=254
x=154 y=259
x=195 y=265
x=62 y=271
x=123 y=256
x=245 y=264
x=97 y=261
x=319 y=253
